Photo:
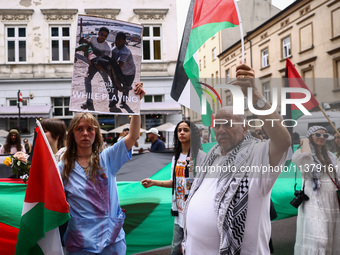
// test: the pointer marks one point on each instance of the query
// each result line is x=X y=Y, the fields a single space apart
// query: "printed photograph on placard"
x=106 y=66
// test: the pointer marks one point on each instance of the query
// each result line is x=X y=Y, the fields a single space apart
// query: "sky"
x=182 y=9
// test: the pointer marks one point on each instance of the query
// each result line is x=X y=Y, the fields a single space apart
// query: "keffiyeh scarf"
x=234 y=194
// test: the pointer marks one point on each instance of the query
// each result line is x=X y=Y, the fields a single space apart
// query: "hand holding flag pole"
x=330 y=122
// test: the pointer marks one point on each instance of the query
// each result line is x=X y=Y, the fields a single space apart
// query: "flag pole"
x=241 y=30
x=330 y=122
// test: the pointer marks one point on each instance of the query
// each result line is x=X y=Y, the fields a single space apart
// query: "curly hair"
x=337 y=147
x=321 y=154
x=70 y=154
x=8 y=144
x=57 y=129
x=195 y=141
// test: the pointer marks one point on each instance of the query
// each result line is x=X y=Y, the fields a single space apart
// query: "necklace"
x=85 y=168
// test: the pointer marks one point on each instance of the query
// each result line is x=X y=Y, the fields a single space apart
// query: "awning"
x=160 y=108
x=31 y=111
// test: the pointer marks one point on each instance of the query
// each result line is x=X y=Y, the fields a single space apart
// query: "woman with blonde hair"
x=318 y=221
x=89 y=176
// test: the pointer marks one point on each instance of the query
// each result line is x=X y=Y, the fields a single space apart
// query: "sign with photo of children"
x=106 y=66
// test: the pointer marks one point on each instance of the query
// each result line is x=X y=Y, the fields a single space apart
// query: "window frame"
x=214 y=54
x=229 y=101
x=266 y=92
x=24 y=101
x=264 y=57
x=16 y=40
x=286 y=46
x=60 y=38
x=153 y=98
x=63 y=107
x=151 y=38
x=227 y=75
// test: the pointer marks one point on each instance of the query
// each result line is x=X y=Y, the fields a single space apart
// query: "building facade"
x=308 y=33
x=37 y=42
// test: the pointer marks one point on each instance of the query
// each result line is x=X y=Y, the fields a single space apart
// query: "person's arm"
x=147 y=183
x=280 y=139
x=305 y=147
x=133 y=135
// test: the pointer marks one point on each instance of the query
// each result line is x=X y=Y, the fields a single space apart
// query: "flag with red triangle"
x=205 y=18
x=294 y=80
x=45 y=207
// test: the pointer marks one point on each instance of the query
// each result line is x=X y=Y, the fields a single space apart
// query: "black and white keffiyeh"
x=235 y=198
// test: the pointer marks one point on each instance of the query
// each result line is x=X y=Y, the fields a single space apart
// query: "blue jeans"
x=177 y=240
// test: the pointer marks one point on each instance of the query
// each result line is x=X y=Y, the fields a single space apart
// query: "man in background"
x=157 y=144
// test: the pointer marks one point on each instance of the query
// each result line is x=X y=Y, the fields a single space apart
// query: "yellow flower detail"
x=8 y=161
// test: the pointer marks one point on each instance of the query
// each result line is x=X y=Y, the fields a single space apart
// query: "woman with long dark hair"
x=187 y=155
x=318 y=221
x=13 y=143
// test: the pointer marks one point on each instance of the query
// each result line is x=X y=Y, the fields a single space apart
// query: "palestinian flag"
x=45 y=207
x=205 y=18
x=294 y=80
x=12 y=195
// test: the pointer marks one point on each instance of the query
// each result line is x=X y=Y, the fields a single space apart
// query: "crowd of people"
x=216 y=212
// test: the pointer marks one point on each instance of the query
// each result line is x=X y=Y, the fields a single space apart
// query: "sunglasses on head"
x=318 y=135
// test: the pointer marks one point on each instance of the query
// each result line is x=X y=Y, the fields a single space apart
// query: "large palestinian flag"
x=205 y=18
x=45 y=207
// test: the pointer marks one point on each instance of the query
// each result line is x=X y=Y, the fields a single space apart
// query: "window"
x=60 y=43
x=286 y=47
x=228 y=100
x=227 y=75
x=14 y=102
x=204 y=62
x=214 y=55
x=337 y=73
x=212 y=78
x=16 y=44
x=153 y=98
x=265 y=60
x=152 y=43
x=61 y=106
x=200 y=65
x=266 y=91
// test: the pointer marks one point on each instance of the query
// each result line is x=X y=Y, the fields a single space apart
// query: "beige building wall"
x=313 y=29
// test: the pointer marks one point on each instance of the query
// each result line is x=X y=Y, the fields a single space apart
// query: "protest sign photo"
x=106 y=66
